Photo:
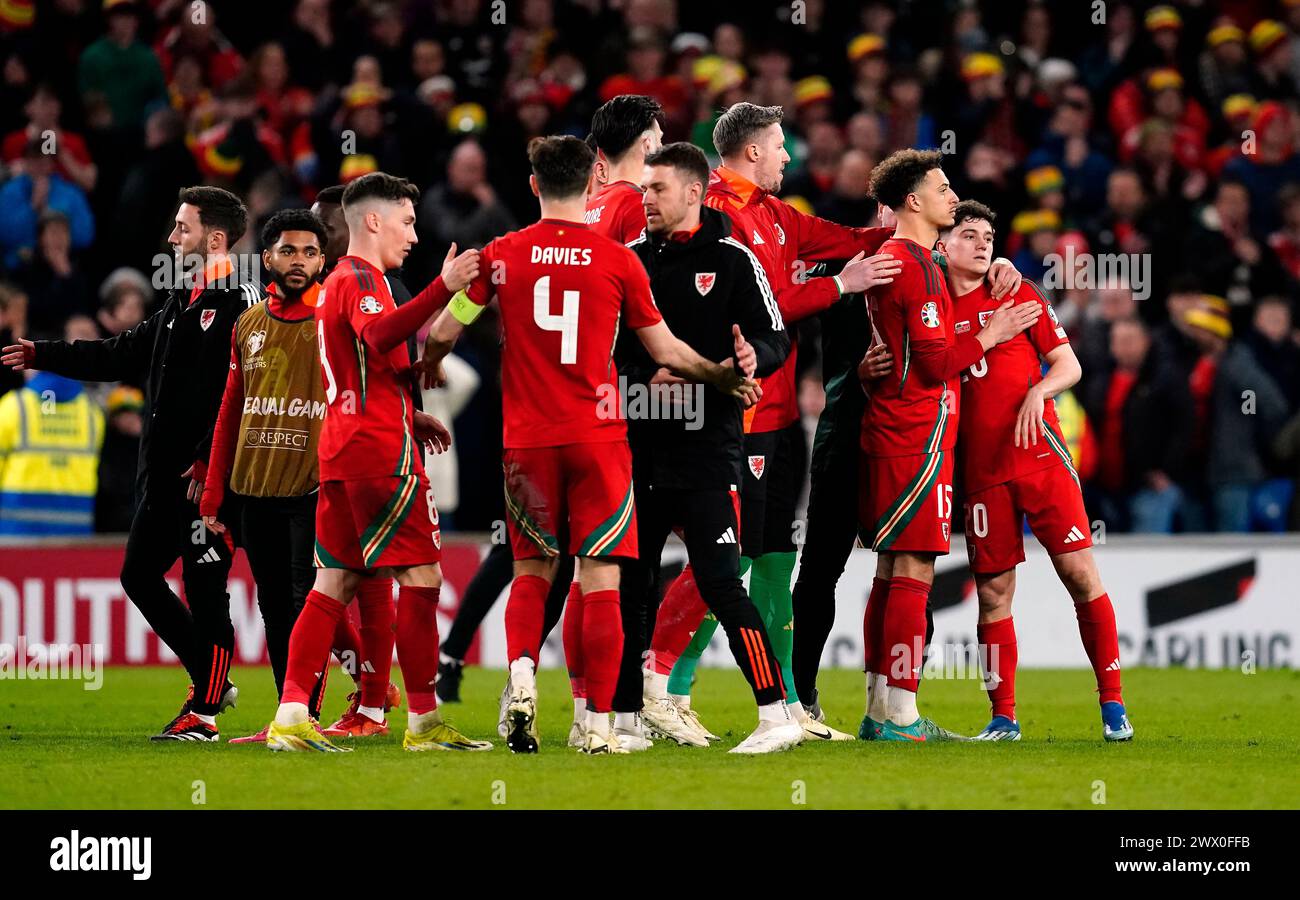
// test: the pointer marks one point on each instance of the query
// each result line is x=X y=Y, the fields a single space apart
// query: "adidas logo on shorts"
x=1075 y=535
x=728 y=536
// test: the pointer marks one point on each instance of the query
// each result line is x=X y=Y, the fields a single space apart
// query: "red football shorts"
x=579 y=495
x=367 y=523
x=1052 y=501
x=906 y=502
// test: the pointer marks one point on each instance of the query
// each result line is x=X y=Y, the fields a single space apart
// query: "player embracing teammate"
x=1015 y=464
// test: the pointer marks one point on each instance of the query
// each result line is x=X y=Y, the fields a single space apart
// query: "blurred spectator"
x=1276 y=346
x=821 y=163
x=1272 y=46
x=56 y=288
x=647 y=74
x=197 y=36
x=1173 y=338
x=870 y=72
x=240 y=146
x=1223 y=250
x=848 y=201
x=1067 y=146
x=115 y=498
x=463 y=210
x=120 y=71
x=71 y=158
x=907 y=124
x=50 y=437
x=1268 y=164
x=148 y=195
x=1224 y=65
x=1093 y=338
x=28 y=196
x=12 y=306
x=1238 y=412
x=124 y=302
x=1143 y=417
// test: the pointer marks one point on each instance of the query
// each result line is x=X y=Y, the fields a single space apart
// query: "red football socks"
x=309 y=646
x=347 y=645
x=573 y=660
x=417 y=645
x=998 y=652
x=1101 y=641
x=602 y=647
x=378 y=616
x=679 y=616
x=904 y=632
x=525 y=612
x=873 y=626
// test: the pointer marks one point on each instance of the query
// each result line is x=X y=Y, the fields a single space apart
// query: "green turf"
x=1204 y=740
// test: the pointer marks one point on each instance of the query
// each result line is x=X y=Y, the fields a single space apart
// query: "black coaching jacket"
x=702 y=287
x=182 y=355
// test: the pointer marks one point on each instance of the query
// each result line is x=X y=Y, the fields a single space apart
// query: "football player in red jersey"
x=623 y=131
x=908 y=434
x=375 y=511
x=563 y=292
x=1015 y=464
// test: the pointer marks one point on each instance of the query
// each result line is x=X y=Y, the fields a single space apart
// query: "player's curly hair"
x=292 y=220
x=901 y=173
x=974 y=211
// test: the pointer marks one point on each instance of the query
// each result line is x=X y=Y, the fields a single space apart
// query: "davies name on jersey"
x=561 y=256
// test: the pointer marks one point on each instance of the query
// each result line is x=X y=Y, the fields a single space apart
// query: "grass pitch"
x=1204 y=740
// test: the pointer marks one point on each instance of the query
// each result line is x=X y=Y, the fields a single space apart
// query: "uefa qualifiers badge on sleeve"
x=370 y=306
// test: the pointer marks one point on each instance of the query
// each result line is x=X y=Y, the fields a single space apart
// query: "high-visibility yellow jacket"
x=50 y=436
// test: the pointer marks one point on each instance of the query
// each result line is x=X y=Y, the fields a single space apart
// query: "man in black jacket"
x=182 y=354
x=1143 y=417
x=713 y=293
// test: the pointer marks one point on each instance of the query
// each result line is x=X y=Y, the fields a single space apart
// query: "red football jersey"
x=562 y=290
x=615 y=211
x=368 y=418
x=905 y=414
x=994 y=388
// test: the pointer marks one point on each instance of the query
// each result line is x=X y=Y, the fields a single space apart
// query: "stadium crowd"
x=1148 y=152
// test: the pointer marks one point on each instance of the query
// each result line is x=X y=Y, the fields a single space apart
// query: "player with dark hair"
x=752 y=145
x=851 y=365
x=624 y=131
x=267 y=431
x=563 y=297
x=908 y=434
x=182 y=352
x=375 y=510
x=1015 y=464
